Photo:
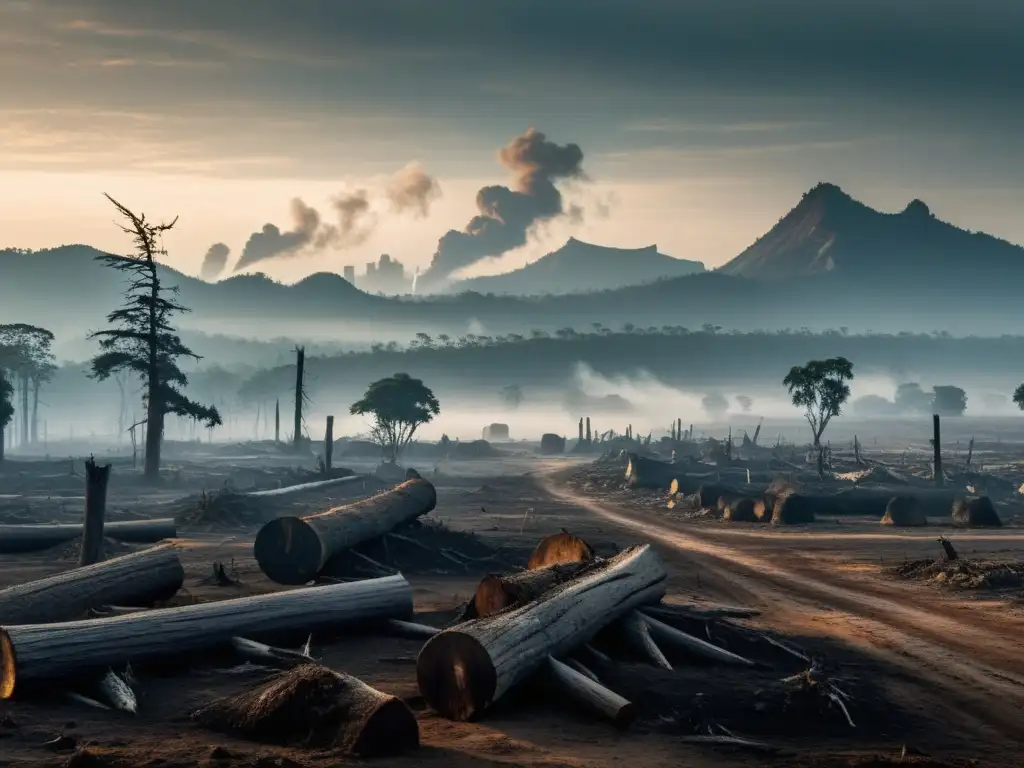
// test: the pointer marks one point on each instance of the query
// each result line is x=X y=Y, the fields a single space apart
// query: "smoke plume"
x=357 y=221
x=214 y=262
x=507 y=214
x=413 y=189
x=272 y=243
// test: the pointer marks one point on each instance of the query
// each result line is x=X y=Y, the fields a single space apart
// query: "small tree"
x=821 y=389
x=143 y=341
x=949 y=400
x=399 y=405
x=512 y=395
x=1018 y=397
x=911 y=398
x=715 y=405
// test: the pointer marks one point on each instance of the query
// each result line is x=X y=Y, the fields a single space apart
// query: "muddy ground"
x=938 y=671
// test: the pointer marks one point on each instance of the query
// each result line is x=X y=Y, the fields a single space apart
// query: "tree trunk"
x=3 y=442
x=304 y=487
x=277 y=421
x=36 y=385
x=154 y=436
x=561 y=547
x=38 y=654
x=317 y=708
x=591 y=693
x=300 y=363
x=140 y=578
x=96 y=479
x=24 y=411
x=463 y=670
x=495 y=593
x=293 y=550
x=329 y=444
x=30 y=538
x=937 y=461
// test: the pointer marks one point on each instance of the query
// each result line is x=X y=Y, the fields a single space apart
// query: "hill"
x=830 y=233
x=579 y=267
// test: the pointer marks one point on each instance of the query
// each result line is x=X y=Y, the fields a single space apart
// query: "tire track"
x=936 y=650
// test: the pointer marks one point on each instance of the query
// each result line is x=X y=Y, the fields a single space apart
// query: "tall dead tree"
x=277 y=421
x=142 y=339
x=300 y=365
x=589 y=438
x=329 y=445
x=96 y=480
x=581 y=430
x=937 y=447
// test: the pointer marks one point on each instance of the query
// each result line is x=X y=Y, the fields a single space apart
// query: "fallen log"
x=293 y=550
x=637 y=632
x=303 y=487
x=560 y=547
x=497 y=592
x=268 y=655
x=139 y=578
x=35 y=654
x=463 y=670
x=30 y=538
x=317 y=708
x=642 y=472
x=591 y=694
x=667 y=635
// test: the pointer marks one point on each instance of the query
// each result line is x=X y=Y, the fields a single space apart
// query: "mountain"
x=830 y=233
x=579 y=267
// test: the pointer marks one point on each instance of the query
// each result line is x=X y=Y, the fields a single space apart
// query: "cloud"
x=271 y=243
x=413 y=189
x=214 y=261
x=508 y=213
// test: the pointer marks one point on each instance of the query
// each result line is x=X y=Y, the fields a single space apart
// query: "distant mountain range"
x=829 y=232
x=831 y=262
x=579 y=267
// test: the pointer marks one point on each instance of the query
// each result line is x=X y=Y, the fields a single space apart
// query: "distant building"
x=386 y=275
x=350 y=274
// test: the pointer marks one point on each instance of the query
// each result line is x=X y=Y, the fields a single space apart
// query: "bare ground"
x=937 y=672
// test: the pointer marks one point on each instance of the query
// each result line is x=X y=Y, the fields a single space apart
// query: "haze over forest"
x=730 y=217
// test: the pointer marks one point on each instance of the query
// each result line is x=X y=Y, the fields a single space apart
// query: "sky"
x=700 y=122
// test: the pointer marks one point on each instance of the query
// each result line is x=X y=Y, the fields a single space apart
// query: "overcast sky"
x=701 y=123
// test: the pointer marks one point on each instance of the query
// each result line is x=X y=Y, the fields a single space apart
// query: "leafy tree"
x=949 y=400
x=512 y=395
x=142 y=339
x=31 y=362
x=821 y=389
x=399 y=405
x=1018 y=397
x=911 y=398
x=715 y=405
x=6 y=409
x=745 y=402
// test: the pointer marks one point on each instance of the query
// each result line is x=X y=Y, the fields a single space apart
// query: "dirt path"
x=953 y=661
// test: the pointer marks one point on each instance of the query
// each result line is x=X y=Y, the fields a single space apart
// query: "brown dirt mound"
x=965 y=574
x=904 y=511
x=741 y=511
x=221 y=509
x=70 y=550
x=976 y=512
x=314 y=707
x=793 y=509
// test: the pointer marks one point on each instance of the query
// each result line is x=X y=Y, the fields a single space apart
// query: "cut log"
x=96 y=479
x=30 y=538
x=495 y=592
x=975 y=512
x=642 y=472
x=904 y=511
x=260 y=653
x=139 y=578
x=560 y=547
x=317 y=708
x=638 y=634
x=464 y=669
x=667 y=635
x=293 y=550
x=32 y=655
x=591 y=694
x=303 y=487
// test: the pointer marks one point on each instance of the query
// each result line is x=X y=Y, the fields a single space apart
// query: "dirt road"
x=956 y=663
